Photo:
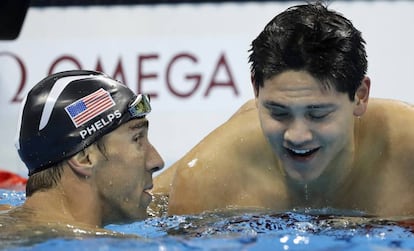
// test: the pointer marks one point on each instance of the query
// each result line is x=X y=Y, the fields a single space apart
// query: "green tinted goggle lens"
x=140 y=106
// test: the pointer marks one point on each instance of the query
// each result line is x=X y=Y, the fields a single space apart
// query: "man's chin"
x=301 y=175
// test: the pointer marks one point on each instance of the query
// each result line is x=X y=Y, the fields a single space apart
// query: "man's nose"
x=298 y=133
x=154 y=160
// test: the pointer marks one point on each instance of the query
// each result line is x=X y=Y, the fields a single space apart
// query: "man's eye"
x=137 y=137
x=318 y=115
x=279 y=115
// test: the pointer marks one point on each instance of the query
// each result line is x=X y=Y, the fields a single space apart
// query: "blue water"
x=235 y=230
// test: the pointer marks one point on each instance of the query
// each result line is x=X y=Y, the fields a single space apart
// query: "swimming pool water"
x=240 y=230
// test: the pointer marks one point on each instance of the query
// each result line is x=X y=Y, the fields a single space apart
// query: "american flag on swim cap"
x=88 y=107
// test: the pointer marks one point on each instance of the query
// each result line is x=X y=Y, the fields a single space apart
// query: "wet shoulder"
x=215 y=150
x=21 y=227
x=230 y=145
x=219 y=164
x=394 y=111
x=389 y=132
x=393 y=119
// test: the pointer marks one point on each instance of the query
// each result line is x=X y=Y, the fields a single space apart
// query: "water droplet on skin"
x=306 y=192
x=192 y=163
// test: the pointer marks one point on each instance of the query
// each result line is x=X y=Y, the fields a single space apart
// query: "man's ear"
x=361 y=97
x=82 y=163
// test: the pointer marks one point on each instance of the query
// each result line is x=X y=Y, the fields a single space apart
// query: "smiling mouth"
x=302 y=154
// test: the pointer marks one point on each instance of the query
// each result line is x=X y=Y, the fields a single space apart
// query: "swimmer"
x=309 y=139
x=84 y=139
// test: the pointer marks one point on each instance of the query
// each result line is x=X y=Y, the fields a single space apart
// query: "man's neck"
x=57 y=205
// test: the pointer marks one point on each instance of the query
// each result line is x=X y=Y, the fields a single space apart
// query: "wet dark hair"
x=41 y=181
x=314 y=39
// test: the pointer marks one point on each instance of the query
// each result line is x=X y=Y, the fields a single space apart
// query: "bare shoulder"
x=392 y=120
x=163 y=181
x=249 y=106
x=5 y=207
x=220 y=141
x=390 y=106
x=393 y=116
x=208 y=176
x=216 y=147
x=225 y=145
x=389 y=138
x=227 y=141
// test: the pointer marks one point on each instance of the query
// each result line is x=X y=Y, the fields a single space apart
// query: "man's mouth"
x=302 y=154
x=147 y=189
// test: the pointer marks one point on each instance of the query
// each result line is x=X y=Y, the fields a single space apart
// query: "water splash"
x=325 y=229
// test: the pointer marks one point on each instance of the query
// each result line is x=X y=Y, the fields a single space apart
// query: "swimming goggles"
x=140 y=106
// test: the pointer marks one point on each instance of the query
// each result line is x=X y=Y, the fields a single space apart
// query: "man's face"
x=308 y=128
x=124 y=172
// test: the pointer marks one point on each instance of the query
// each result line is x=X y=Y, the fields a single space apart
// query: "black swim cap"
x=68 y=111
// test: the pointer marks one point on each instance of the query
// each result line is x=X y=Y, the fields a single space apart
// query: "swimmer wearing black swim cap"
x=84 y=139
x=68 y=111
